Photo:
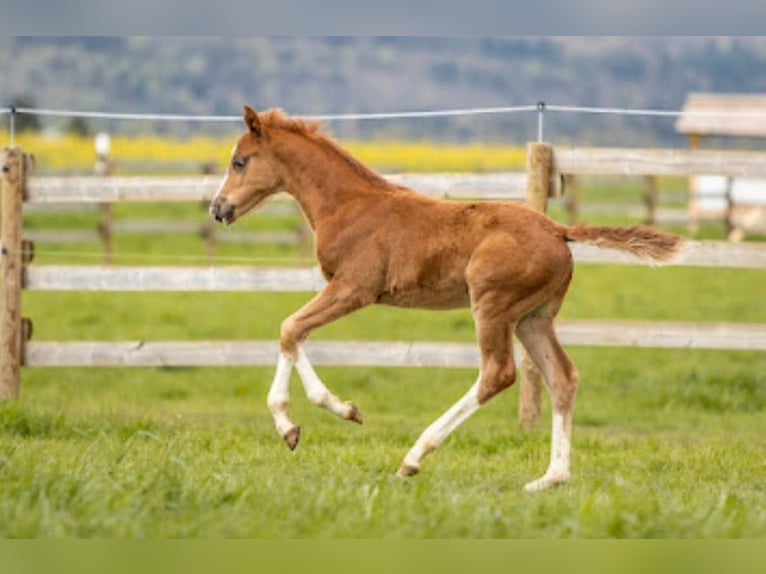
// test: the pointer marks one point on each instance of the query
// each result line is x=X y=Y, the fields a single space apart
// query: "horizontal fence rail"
x=171 y=278
x=239 y=278
x=693 y=254
x=487 y=186
x=248 y=353
x=668 y=335
x=681 y=162
x=95 y=189
x=166 y=227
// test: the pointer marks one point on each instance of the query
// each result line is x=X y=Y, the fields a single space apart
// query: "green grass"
x=667 y=443
x=667 y=451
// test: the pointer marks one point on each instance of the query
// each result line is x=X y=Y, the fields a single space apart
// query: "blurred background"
x=336 y=75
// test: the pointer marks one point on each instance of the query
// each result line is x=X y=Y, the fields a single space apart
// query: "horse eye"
x=239 y=163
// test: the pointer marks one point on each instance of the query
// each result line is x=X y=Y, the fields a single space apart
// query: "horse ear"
x=251 y=121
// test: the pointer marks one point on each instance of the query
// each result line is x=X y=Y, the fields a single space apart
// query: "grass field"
x=667 y=443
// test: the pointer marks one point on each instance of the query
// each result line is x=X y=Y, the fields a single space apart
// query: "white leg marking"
x=560 y=445
x=318 y=393
x=437 y=431
x=558 y=470
x=279 y=395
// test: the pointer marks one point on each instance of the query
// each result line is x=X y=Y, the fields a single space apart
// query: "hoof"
x=292 y=437
x=406 y=470
x=355 y=415
x=546 y=482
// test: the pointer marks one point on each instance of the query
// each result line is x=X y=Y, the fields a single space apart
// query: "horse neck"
x=319 y=178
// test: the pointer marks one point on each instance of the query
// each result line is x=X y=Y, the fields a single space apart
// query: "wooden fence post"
x=650 y=199
x=12 y=185
x=539 y=164
x=105 y=231
x=572 y=202
x=104 y=167
x=728 y=214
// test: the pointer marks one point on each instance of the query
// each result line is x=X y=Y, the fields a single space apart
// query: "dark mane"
x=276 y=118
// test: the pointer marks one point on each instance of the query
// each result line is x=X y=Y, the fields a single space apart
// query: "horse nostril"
x=215 y=207
x=221 y=210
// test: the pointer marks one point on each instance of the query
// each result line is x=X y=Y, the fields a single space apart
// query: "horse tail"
x=641 y=240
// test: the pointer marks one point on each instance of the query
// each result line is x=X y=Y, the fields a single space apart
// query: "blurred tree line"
x=378 y=74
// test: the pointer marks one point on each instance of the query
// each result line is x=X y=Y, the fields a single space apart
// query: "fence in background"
x=649 y=164
x=546 y=168
x=50 y=193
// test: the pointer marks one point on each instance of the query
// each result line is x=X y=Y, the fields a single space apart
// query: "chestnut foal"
x=377 y=242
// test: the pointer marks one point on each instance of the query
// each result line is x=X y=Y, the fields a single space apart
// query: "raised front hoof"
x=354 y=414
x=406 y=470
x=292 y=437
x=547 y=481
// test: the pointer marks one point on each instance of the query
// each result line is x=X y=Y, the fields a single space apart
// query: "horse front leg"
x=333 y=302
x=278 y=399
x=320 y=395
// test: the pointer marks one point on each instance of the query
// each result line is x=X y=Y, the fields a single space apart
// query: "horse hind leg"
x=538 y=336
x=437 y=431
x=498 y=372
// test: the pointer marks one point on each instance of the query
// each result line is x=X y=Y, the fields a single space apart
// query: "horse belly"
x=451 y=296
x=433 y=301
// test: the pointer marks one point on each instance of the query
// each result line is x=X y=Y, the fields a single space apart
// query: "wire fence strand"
x=125 y=116
x=387 y=115
x=426 y=114
x=651 y=112
x=227 y=118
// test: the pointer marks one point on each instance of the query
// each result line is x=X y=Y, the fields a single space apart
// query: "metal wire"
x=321 y=117
x=650 y=112
x=540 y=107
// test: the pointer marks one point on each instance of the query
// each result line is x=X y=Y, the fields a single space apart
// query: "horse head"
x=251 y=175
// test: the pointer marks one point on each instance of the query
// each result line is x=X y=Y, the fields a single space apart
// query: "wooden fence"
x=649 y=164
x=107 y=227
x=546 y=168
x=53 y=193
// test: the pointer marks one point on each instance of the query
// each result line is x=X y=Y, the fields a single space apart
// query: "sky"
x=419 y=17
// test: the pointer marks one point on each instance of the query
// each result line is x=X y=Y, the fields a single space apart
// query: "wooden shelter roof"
x=699 y=115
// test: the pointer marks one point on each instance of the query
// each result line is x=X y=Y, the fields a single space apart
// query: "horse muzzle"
x=222 y=210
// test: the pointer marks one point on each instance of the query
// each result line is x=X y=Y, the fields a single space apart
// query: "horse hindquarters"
x=506 y=287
